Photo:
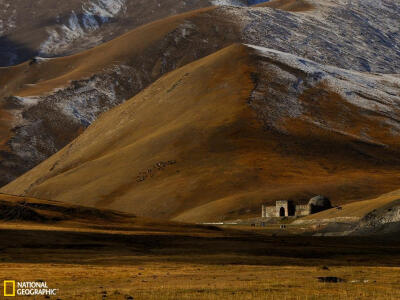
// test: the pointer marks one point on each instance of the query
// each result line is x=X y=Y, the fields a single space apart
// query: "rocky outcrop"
x=45 y=124
x=384 y=221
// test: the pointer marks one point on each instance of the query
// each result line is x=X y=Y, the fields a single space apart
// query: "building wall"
x=288 y=207
x=302 y=210
x=268 y=211
x=281 y=204
x=273 y=211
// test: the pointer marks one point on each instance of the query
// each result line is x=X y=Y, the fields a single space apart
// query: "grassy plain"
x=120 y=261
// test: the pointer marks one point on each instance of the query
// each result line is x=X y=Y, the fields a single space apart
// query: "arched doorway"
x=282 y=212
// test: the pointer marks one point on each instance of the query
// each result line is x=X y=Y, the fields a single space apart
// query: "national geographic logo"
x=9 y=288
x=14 y=288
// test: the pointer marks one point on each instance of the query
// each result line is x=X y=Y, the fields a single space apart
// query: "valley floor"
x=184 y=280
x=205 y=263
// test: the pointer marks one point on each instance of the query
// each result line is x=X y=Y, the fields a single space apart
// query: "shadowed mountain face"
x=49 y=28
x=218 y=137
x=46 y=103
x=11 y=52
x=253 y=2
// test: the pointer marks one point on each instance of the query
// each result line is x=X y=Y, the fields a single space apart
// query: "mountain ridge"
x=52 y=29
x=45 y=107
x=233 y=143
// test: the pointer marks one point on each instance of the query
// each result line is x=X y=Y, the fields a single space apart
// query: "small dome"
x=319 y=203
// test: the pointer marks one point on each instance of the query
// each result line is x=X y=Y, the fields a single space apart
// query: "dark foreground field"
x=191 y=262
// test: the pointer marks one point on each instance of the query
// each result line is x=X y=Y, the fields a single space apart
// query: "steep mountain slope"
x=75 y=90
x=46 y=103
x=218 y=137
x=51 y=28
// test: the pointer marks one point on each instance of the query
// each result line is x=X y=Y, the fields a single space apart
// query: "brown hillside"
x=45 y=104
x=222 y=135
x=62 y=96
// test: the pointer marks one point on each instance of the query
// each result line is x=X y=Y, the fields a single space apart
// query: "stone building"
x=287 y=208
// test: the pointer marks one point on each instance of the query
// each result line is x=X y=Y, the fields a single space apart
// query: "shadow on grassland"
x=210 y=247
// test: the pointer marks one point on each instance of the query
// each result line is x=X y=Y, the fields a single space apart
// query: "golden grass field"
x=93 y=254
x=229 y=265
x=171 y=280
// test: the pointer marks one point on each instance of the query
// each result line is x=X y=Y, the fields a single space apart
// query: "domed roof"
x=320 y=201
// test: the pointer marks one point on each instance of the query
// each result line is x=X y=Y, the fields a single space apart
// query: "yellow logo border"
x=5 y=288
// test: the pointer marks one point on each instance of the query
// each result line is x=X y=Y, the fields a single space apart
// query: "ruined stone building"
x=287 y=208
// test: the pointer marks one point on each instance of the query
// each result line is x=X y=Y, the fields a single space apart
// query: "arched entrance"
x=282 y=212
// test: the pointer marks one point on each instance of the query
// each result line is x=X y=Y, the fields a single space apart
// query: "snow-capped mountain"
x=54 y=28
x=50 y=101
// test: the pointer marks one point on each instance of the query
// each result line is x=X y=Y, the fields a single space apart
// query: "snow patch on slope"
x=370 y=94
x=237 y=2
x=8 y=23
x=228 y=2
x=94 y=14
x=44 y=124
x=27 y=101
x=87 y=103
x=347 y=34
x=105 y=9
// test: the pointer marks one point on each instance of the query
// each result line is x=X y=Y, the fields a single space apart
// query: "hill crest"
x=229 y=143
